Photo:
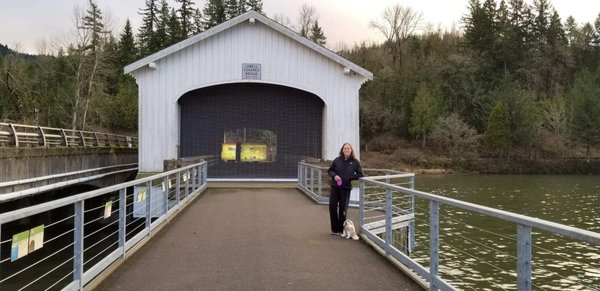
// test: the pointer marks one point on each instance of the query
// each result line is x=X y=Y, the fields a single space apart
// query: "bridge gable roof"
x=237 y=20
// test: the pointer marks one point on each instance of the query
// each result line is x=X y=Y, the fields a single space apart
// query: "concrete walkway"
x=255 y=239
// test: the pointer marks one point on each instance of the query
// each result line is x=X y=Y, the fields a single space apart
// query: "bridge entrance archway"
x=251 y=130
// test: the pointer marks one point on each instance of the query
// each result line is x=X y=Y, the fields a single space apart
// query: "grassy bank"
x=402 y=155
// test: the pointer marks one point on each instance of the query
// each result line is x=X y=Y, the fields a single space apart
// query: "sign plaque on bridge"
x=251 y=71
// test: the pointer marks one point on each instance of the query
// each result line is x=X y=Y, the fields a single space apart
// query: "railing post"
x=194 y=174
x=65 y=138
x=78 y=245
x=177 y=190
x=305 y=177
x=200 y=175
x=523 y=257
x=122 y=219
x=15 y=135
x=82 y=138
x=166 y=192
x=205 y=172
x=411 y=224
x=434 y=229
x=301 y=176
x=320 y=186
x=361 y=204
x=42 y=139
x=388 y=221
x=148 y=208
x=298 y=174
x=187 y=183
x=312 y=180
x=96 y=140
x=202 y=179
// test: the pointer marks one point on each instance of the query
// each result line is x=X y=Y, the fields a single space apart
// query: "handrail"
x=388 y=219
x=103 y=227
x=101 y=173
x=313 y=179
x=20 y=135
x=541 y=224
x=525 y=225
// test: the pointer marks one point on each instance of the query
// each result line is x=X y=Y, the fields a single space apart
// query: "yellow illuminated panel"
x=254 y=152
x=228 y=152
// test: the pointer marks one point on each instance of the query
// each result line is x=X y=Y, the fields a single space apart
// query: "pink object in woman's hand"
x=339 y=182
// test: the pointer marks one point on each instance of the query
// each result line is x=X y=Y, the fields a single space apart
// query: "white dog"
x=349 y=230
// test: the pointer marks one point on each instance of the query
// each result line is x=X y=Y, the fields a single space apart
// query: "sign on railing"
x=19 y=135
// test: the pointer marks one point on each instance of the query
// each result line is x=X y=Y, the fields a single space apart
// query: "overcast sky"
x=343 y=21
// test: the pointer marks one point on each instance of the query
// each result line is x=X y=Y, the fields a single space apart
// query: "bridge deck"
x=255 y=239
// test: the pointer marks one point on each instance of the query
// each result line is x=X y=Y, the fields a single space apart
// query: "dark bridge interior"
x=251 y=130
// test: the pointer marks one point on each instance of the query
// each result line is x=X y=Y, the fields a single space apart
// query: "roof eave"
x=235 y=21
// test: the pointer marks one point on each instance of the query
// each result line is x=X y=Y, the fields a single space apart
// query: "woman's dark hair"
x=351 y=151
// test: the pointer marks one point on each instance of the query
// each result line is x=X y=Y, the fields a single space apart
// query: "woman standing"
x=344 y=169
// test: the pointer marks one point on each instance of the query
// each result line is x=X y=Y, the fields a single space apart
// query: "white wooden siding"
x=218 y=60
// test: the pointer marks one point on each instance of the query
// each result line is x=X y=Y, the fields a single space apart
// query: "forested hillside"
x=516 y=81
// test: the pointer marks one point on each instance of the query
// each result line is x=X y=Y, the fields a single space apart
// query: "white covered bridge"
x=250 y=94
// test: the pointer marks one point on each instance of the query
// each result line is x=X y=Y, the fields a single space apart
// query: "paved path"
x=255 y=239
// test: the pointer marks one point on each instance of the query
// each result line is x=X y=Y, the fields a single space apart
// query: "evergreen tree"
x=174 y=31
x=316 y=33
x=497 y=134
x=596 y=41
x=111 y=61
x=518 y=33
x=127 y=51
x=214 y=13
x=480 y=27
x=585 y=104
x=232 y=9
x=541 y=22
x=197 y=26
x=148 y=42
x=92 y=22
x=186 y=12
x=424 y=113
x=61 y=105
x=122 y=111
x=161 y=25
x=242 y=7
x=95 y=64
x=255 y=5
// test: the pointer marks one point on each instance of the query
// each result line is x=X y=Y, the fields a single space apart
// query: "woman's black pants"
x=338 y=204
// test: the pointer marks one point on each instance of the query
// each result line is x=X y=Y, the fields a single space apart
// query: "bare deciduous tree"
x=282 y=19
x=308 y=15
x=397 y=25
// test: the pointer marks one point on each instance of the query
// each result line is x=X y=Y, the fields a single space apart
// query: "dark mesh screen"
x=250 y=130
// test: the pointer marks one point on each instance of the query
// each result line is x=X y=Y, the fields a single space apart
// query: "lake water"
x=479 y=253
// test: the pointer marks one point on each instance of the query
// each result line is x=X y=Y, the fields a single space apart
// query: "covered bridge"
x=250 y=95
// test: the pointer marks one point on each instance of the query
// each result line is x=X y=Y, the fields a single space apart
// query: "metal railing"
x=412 y=230
x=66 y=243
x=12 y=190
x=314 y=180
x=436 y=246
x=19 y=135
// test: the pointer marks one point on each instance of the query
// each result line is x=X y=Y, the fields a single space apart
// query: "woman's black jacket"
x=347 y=170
